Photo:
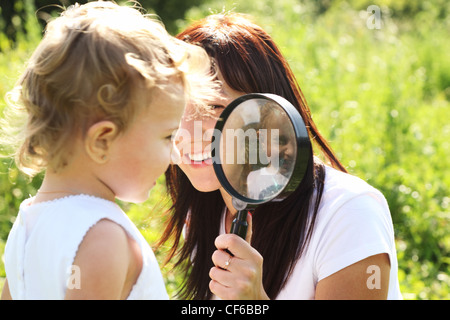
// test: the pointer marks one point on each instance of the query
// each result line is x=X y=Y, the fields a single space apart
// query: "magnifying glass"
x=260 y=152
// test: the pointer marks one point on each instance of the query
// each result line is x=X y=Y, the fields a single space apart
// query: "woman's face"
x=193 y=141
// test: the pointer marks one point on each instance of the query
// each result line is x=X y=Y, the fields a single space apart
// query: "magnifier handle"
x=240 y=225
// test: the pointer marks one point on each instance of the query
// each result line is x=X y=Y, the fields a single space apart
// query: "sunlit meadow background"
x=380 y=96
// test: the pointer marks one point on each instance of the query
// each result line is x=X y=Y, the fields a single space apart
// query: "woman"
x=331 y=239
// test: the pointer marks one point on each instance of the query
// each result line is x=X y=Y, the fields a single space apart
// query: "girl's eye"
x=217 y=107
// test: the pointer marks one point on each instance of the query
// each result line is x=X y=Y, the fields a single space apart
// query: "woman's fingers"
x=237 y=246
x=222 y=259
x=237 y=271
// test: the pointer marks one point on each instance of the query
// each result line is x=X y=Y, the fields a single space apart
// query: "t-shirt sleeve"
x=358 y=229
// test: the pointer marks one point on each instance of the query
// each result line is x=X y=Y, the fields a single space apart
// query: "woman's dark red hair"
x=249 y=61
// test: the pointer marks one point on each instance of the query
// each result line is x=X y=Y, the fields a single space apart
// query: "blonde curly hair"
x=96 y=62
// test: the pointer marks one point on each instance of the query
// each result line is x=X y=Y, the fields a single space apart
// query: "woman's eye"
x=283 y=140
x=217 y=107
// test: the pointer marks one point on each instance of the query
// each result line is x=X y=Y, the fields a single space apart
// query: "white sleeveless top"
x=44 y=240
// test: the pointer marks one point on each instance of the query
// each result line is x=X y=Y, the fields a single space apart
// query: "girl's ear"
x=99 y=139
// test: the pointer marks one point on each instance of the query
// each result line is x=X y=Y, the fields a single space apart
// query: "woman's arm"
x=366 y=279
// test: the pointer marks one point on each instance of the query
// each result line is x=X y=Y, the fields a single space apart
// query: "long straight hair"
x=249 y=61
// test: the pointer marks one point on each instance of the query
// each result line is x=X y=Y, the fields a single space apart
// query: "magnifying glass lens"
x=258 y=149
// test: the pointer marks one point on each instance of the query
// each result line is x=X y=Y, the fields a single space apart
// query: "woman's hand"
x=237 y=276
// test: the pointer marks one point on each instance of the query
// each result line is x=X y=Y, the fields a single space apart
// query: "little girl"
x=103 y=93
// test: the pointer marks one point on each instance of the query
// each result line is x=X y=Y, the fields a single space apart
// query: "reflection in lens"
x=258 y=149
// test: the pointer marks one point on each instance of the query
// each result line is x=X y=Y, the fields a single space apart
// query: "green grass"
x=382 y=99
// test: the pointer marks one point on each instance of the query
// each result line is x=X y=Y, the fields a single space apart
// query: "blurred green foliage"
x=15 y=14
x=380 y=96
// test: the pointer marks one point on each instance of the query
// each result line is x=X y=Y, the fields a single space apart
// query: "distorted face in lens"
x=281 y=147
x=258 y=149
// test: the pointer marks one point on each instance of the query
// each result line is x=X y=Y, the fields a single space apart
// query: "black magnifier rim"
x=302 y=138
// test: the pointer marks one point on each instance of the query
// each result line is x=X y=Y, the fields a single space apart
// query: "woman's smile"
x=199 y=160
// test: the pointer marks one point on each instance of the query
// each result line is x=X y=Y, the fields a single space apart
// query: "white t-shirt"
x=353 y=223
x=44 y=240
